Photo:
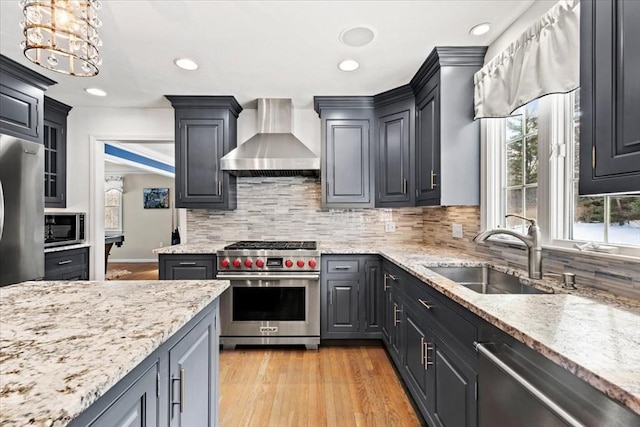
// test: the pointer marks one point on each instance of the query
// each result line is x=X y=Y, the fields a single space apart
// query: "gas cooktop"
x=271 y=245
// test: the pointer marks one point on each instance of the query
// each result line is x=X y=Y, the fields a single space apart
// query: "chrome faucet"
x=531 y=239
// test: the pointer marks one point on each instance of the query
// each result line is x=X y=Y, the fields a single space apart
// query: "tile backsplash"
x=289 y=209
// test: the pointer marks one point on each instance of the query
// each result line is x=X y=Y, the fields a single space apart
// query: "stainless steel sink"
x=486 y=280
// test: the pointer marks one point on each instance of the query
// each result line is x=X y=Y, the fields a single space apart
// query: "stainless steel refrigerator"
x=21 y=210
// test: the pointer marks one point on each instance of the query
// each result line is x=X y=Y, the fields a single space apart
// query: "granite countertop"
x=64 y=344
x=591 y=333
x=66 y=248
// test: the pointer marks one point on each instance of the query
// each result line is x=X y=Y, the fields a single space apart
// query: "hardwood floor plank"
x=139 y=270
x=334 y=386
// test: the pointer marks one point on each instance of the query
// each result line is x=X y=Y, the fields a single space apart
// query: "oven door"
x=262 y=306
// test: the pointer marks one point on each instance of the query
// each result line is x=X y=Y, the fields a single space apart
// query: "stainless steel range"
x=274 y=296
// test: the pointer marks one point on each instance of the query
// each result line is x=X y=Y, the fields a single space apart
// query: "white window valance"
x=544 y=59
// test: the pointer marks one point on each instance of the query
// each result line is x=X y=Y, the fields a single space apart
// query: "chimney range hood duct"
x=274 y=150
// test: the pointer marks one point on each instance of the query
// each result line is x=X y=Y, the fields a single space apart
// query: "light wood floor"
x=334 y=386
x=139 y=270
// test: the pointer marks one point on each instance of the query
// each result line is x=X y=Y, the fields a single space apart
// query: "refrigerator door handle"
x=1 y=210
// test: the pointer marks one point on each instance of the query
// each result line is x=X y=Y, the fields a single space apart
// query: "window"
x=532 y=170
x=113 y=203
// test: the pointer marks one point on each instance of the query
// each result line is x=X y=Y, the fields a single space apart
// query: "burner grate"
x=272 y=245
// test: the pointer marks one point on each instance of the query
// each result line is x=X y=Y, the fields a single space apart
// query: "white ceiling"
x=255 y=49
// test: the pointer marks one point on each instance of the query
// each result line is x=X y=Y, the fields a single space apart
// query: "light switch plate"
x=457 y=230
x=389 y=226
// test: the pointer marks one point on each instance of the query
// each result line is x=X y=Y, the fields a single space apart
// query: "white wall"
x=528 y=18
x=144 y=229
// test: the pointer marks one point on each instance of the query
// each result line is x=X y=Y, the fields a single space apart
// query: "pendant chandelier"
x=62 y=35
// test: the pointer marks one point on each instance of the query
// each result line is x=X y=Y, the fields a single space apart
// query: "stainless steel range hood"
x=274 y=150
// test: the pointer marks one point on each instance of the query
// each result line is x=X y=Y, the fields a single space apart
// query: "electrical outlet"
x=162 y=244
x=457 y=230
x=389 y=226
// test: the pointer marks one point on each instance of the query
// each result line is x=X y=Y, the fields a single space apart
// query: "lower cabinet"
x=351 y=297
x=177 y=385
x=187 y=267
x=70 y=264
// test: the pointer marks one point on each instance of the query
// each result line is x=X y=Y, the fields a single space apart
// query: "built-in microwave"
x=63 y=228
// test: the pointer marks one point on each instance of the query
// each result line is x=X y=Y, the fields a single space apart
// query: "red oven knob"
x=259 y=263
x=312 y=263
x=224 y=263
x=236 y=263
x=247 y=263
x=288 y=263
x=300 y=263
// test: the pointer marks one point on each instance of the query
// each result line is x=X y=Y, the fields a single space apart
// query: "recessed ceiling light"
x=95 y=91
x=186 y=64
x=348 y=65
x=357 y=36
x=480 y=29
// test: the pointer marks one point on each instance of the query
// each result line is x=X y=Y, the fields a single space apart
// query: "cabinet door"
x=137 y=407
x=609 y=96
x=20 y=108
x=192 y=377
x=55 y=154
x=453 y=402
x=187 y=267
x=372 y=296
x=416 y=365
x=428 y=148
x=342 y=308
x=348 y=159
x=198 y=175
x=394 y=180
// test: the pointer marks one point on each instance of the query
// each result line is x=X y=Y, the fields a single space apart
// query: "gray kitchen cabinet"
x=176 y=385
x=609 y=96
x=192 y=372
x=70 y=264
x=395 y=166
x=22 y=100
x=55 y=153
x=350 y=297
x=186 y=266
x=138 y=406
x=447 y=137
x=205 y=130
x=347 y=151
x=416 y=364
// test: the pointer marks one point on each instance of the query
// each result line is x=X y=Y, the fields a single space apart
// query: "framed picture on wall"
x=155 y=198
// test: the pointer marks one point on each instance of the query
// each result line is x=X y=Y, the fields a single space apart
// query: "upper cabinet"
x=447 y=137
x=395 y=159
x=21 y=100
x=55 y=153
x=609 y=96
x=205 y=130
x=347 y=151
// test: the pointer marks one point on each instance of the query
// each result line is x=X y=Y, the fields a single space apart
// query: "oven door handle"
x=223 y=276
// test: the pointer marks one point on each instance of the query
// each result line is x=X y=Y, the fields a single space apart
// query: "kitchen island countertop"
x=591 y=333
x=64 y=344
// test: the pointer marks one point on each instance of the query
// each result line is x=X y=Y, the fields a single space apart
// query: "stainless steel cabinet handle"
x=330 y=297
x=396 y=320
x=425 y=304
x=179 y=402
x=65 y=262
x=1 y=210
x=220 y=188
x=422 y=350
x=404 y=185
x=427 y=362
x=181 y=390
x=544 y=399
x=188 y=263
x=433 y=179
x=387 y=276
x=342 y=267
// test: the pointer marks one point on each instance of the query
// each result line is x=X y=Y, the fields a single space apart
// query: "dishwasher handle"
x=543 y=398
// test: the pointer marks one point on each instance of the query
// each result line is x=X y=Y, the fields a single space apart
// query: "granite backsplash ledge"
x=289 y=209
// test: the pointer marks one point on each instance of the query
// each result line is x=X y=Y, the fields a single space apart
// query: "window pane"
x=531 y=159
x=111 y=218
x=531 y=202
x=588 y=221
x=112 y=198
x=514 y=127
x=514 y=163
x=531 y=117
x=624 y=221
x=514 y=206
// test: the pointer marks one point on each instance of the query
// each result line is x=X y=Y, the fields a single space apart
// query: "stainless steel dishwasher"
x=518 y=387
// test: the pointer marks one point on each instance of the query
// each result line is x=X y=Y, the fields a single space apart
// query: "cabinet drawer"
x=343 y=266
x=426 y=299
x=65 y=259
